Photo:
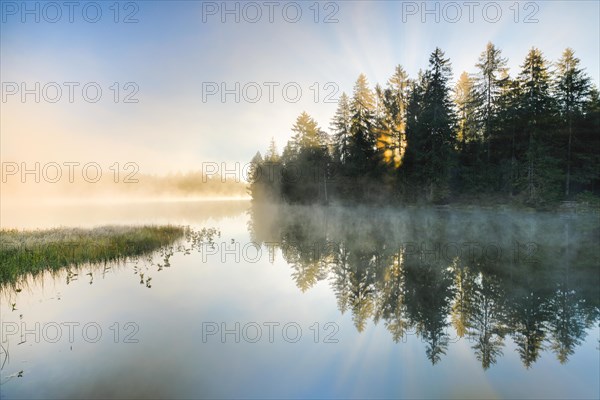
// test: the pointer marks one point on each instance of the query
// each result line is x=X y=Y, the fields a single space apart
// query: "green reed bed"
x=31 y=252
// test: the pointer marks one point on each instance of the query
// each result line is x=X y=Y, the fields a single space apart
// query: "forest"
x=526 y=139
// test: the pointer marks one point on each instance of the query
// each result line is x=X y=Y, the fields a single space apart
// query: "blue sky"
x=176 y=47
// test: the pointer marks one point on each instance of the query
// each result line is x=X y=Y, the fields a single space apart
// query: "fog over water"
x=384 y=299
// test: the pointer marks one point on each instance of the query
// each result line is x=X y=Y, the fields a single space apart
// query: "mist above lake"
x=471 y=298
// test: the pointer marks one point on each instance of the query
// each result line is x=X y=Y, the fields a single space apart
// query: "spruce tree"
x=491 y=65
x=538 y=109
x=571 y=91
x=432 y=124
x=340 y=126
x=361 y=166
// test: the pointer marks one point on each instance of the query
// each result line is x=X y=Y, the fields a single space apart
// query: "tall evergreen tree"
x=307 y=134
x=508 y=123
x=491 y=65
x=360 y=170
x=465 y=100
x=306 y=163
x=588 y=146
x=412 y=172
x=272 y=155
x=391 y=134
x=433 y=135
x=538 y=110
x=571 y=91
x=469 y=137
x=260 y=187
x=362 y=137
x=340 y=126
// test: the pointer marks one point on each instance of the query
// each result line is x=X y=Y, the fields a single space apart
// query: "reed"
x=31 y=252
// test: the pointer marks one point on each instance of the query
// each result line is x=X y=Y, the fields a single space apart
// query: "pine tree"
x=398 y=87
x=412 y=172
x=587 y=173
x=362 y=138
x=360 y=169
x=391 y=124
x=491 y=65
x=307 y=134
x=305 y=171
x=432 y=124
x=537 y=108
x=272 y=155
x=571 y=92
x=470 y=141
x=508 y=120
x=465 y=100
x=256 y=187
x=363 y=100
x=340 y=126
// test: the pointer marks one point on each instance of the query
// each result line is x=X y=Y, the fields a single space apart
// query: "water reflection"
x=485 y=276
x=140 y=254
x=143 y=267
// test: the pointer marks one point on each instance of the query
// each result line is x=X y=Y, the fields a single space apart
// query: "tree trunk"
x=513 y=161
x=530 y=172
x=568 y=178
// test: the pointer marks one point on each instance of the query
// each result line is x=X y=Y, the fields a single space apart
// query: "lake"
x=323 y=302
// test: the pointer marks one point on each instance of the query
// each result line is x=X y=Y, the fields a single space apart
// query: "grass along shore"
x=32 y=252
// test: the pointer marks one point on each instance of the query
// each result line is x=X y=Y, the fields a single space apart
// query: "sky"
x=180 y=80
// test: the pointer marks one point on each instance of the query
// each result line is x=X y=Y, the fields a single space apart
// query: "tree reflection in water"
x=488 y=275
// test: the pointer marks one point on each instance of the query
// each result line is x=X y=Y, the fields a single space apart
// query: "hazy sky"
x=176 y=49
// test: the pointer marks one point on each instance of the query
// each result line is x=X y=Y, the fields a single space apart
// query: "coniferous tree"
x=469 y=137
x=340 y=126
x=433 y=135
x=588 y=146
x=571 y=91
x=507 y=121
x=362 y=139
x=531 y=139
x=537 y=106
x=272 y=155
x=360 y=170
x=257 y=189
x=465 y=99
x=391 y=127
x=398 y=89
x=306 y=163
x=491 y=65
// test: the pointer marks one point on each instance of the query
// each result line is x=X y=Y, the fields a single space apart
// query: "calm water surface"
x=293 y=302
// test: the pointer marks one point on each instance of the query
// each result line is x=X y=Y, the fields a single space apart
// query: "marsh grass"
x=32 y=252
